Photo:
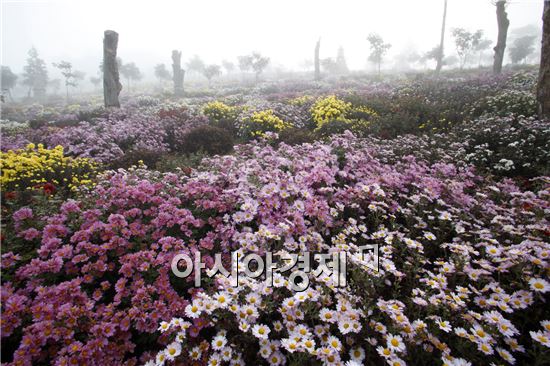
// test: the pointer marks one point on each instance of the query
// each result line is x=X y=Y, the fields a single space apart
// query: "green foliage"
x=174 y=162
x=521 y=48
x=296 y=136
x=137 y=157
x=35 y=74
x=209 y=139
x=332 y=127
x=8 y=78
x=378 y=48
x=466 y=42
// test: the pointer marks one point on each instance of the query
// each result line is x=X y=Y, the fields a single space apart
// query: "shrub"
x=395 y=124
x=296 y=136
x=515 y=102
x=302 y=100
x=333 y=127
x=329 y=108
x=174 y=112
x=216 y=111
x=174 y=162
x=136 y=157
x=38 y=168
x=361 y=112
x=210 y=139
x=258 y=123
x=221 y=115
x=38 y=123
x=507 y=146
x=92 y=113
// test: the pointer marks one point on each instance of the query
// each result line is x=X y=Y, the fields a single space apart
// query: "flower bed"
x=463 y=263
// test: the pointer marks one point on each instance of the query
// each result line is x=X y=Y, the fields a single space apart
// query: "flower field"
x=449 y=178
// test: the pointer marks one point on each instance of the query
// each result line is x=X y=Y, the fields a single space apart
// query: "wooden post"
x=111 y=78
x=178 y=73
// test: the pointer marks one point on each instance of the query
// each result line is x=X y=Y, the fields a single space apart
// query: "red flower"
x=49 y=189
x=12 y=195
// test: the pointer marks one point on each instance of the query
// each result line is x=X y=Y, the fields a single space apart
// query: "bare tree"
x=503 y=24
x=440 y=51
x=66 y=69
x=543 y=90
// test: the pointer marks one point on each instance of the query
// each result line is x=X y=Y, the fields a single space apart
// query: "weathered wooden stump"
x=177 y=73
x=111 y=78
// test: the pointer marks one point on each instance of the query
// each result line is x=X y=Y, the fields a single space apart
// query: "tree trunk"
x=111 y=78
x=543 y=90
x=178 y=73
x=317 y=63
x=442 y=41
x=503 y=23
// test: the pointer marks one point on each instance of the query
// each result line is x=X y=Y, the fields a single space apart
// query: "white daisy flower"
x=193 y=310
x=161 y=358
x=542 y=338
x=219 y=342
x=357 y=354
x=164 y=326
x=539 y=285
x=395 y=343
x=173 y=350
x=260 y=331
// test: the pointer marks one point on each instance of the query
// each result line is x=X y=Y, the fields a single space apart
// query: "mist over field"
x=232 y=183
x=285 y=31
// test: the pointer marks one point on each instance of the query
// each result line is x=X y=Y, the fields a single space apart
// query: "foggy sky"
x=284 y=30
